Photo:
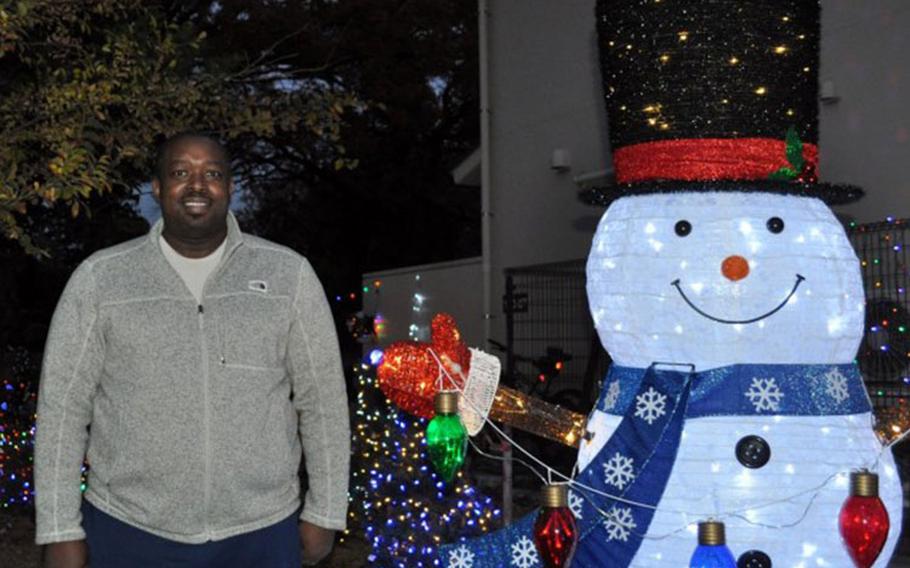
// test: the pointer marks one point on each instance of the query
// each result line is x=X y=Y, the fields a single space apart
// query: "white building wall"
x=865 y=135
x=545 y=94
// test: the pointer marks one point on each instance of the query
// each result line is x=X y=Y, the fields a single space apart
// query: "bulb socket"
x=446 y=402
x=864 y=483
x=711 y=533
x=556 y=495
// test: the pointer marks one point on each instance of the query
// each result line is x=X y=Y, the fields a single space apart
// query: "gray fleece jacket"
x=192 y=417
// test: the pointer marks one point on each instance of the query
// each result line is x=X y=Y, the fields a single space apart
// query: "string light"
x=555 y=530
x=447 y=438
x=401 y=506
x=419 y=330
x=884 y=354
x=17 y=432
x=712 y=551
x=379 y=326
x=375 y=357
x=864 y=520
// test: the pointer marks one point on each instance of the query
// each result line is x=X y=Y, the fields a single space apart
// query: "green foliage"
x=794 y=150
x=86 y=86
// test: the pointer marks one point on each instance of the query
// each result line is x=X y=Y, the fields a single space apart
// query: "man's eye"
x=215 y=174
x=179 y=173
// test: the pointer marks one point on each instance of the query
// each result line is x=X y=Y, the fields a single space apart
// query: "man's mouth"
x=799 y=280
x=196 y=205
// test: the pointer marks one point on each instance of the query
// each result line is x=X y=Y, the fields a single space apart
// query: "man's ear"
x=156 y=189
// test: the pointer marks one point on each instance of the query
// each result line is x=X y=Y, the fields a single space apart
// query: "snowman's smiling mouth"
x=799 y=280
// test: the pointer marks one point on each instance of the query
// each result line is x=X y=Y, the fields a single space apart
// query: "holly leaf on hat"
x=794 y=152
x=784 y=173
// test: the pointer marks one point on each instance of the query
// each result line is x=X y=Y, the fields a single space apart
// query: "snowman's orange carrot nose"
x=735 y=267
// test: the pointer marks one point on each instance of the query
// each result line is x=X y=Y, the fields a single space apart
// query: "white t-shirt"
x=194 y=271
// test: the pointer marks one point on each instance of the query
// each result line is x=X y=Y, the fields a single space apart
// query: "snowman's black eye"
x=775 y=225
x=683 y=228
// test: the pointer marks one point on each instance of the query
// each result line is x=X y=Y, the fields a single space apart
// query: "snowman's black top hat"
x=712 y=95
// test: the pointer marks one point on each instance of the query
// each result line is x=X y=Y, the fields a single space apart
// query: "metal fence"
x=884 y=354
x=552 y=346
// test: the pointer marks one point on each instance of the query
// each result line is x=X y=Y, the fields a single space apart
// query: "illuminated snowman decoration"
x=740 y=280
x=729 y=298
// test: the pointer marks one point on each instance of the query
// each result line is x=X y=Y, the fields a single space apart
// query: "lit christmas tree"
x=17 y=430
x=404 y=508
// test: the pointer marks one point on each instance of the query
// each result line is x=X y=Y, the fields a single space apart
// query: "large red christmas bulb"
x=555 y=531
x=864 y=521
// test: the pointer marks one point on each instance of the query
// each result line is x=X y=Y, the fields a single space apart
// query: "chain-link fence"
x=884 y=354
x=552 y=347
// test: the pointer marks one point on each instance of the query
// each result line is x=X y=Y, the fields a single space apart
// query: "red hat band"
x=710 y=159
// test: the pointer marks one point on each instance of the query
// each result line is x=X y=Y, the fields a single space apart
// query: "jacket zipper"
x=207 y=415
x=207 y=423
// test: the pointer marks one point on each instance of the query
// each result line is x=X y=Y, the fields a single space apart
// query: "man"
x=190 y=367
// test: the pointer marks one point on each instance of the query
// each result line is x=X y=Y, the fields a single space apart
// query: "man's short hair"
x=165 y=146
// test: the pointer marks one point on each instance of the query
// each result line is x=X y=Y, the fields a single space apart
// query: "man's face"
x=194 y=189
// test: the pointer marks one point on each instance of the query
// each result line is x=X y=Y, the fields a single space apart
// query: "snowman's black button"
x=753 y=559
x=753 y=452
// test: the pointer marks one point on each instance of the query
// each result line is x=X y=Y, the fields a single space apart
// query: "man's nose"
x=197 y=181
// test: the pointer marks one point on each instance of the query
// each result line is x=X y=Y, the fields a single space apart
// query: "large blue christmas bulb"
x=712 y=551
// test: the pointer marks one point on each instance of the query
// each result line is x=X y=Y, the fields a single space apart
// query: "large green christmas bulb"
x=447 y=439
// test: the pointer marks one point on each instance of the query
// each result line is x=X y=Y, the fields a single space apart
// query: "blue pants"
x=114 y=544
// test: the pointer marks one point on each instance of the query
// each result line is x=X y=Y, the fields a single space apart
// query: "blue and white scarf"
x=637 y=460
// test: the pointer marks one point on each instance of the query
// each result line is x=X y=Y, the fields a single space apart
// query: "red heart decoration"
x=409 y=373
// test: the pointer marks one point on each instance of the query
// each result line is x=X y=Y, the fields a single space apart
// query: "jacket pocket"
x=251 y=332
x=254 y=445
